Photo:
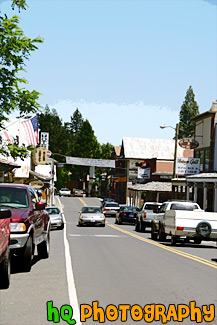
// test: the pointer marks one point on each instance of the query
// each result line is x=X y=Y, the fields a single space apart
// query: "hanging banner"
x=90 y=162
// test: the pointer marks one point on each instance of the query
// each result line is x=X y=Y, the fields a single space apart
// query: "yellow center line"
x=82 y=201
x=170 y=249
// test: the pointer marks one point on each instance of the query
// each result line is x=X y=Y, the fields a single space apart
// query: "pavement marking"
x=106 y=236
x=73 y=299
x=82 y=201
x=170 y=249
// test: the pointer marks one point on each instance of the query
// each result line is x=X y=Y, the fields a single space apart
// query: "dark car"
x=127 y=214
x=107 y=200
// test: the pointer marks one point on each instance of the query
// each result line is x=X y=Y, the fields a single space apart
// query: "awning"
x=152 y=187
x=40 y=176
x=6 y=165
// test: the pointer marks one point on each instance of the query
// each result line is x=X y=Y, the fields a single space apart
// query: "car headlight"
x=16 y=226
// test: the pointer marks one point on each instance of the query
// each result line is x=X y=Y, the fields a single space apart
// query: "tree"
x=50 y=122
x=106 y=150
x=15 y=49
x=189 y=109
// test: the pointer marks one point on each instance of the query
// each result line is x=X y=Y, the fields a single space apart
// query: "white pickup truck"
x=145 y=215
x=197 y=225
x=184 y=220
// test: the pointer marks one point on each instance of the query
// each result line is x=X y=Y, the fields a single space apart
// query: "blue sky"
x=125 y=64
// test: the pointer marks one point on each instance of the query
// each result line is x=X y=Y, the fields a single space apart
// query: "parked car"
x=145 y=215
x=91 y=215
x=127 y=214
x=111 y=209
x=107 y=200
x=56 y=217
x=64 y=192
x=30 y=223
x=79 y=193
x=5 y=256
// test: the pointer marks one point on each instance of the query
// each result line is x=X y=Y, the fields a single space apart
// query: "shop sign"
x=144 y=173
x=36 y=184
x=187 y=166
x=188 y=143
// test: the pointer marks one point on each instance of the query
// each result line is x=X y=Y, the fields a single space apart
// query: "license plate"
x=92 y=220
x=131 y=215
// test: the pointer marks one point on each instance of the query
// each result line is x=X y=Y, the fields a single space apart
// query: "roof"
x=117 y=150
x=206 y=177
x=143 y=148
x=153 y=187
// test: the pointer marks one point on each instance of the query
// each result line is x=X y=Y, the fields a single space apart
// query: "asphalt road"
x=112 y=266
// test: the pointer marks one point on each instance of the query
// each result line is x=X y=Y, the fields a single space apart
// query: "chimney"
x=214 y=106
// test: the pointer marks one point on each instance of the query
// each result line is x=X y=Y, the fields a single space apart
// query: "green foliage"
x=189 y=109
x=50 y=121
x=15 y=49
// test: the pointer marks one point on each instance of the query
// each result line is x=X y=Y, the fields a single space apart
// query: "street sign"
x=44 y=141
x=60 y=165
x=49 y=153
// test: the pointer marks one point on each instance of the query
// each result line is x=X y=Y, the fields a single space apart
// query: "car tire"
x=142 y=227
x=44 y=247
x=162 y=235
x=120 y=222
x=154 y=235
x=204 y=229
x=62 y=226
x=137 y=226
x=28 y=255
x=173 y=240
x=197 y=241
x=103 y=225
x=5 y=271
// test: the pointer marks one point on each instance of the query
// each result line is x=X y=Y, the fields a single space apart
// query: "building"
x=142 y=161
x=202 y=188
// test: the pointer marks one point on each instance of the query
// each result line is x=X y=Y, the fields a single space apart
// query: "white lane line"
x=71 y=281
x=73 y=299
x=106 y=236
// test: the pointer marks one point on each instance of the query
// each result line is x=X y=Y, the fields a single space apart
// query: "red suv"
x=30 y=223
x=5 y=261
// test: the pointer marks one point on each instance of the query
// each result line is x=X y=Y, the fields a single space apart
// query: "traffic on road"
x=111 y=274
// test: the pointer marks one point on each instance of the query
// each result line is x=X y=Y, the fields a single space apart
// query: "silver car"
x=111 y=209
x=91 y=215
x=64 y=192
x=56 y=217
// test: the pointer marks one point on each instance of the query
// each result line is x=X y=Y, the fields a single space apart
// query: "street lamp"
x=176 y=141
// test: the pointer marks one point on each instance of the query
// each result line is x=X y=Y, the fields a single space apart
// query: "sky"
x=125 y=64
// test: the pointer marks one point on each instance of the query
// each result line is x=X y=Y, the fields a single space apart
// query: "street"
x=115 y=266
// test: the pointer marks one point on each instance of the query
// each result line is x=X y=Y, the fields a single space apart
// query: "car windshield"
x=128 y=209
x=14 y=197
x=53 y=210
x=64 y=189
x=91 y=210
x=151 y=206
x=184 y=206
x=112 y=205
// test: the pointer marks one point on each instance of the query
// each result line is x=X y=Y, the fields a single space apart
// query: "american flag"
x=31 y=129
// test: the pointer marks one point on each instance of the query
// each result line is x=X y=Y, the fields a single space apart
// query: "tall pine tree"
x=189 y=109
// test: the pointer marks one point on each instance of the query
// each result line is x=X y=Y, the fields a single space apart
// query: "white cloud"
x=113 y=121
